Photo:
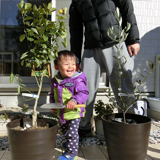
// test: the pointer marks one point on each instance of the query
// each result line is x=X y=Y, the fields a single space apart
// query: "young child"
x=69 y=88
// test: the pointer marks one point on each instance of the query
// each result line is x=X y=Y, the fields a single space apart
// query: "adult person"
x=94 y=18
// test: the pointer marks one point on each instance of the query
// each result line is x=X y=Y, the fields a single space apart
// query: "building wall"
x=147 y=13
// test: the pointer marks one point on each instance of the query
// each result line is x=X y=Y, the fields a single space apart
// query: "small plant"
x=43 y=37
x=25 y=107
x=101 y=108
x=119 y=38
x=5 y=117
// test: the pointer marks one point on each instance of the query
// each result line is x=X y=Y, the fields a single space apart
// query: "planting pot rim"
x=38 y=130
x=136 y=115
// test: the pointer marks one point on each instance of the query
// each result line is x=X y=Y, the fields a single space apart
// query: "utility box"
x=142 y=107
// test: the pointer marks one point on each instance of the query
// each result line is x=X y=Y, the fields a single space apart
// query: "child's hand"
x=70 y=104
x=53 y=111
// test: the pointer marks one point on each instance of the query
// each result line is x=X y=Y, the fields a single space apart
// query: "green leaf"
x=115 y=37
x=11 y=78
x=28 y=65
x=45 y=61
x=22 y=37
x=44 y=51
x=45 y=5
x=138 y=81
x=32 y=50
x=45 y=38
x=122 y=33
x=44 y=45
x=28 y=18
x=108 y=32
x=24 y=55
x=35 y=8
x=28 y=6
x=51 y=57
x=120 y=21
x=52 y=9
x=38 y=62
x=64 y=35
x=56 y=54
x=126 y=35
x=65 y=42
x=45 y=72
x=18 y=5
x=116 y=15
x=128 y=26
x=158 y=58
x=49 y=26
x=49 y=5
x=22 y=62
x=19 y=89
x=34 y=30
x=21 y=3
x=115 y=57
x=30 y=39
x=142 y=75
x=27 y=23
x=151 y=65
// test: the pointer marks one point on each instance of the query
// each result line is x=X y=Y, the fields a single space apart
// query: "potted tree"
x=126 y=135
x=100 y=109
x=43 y=37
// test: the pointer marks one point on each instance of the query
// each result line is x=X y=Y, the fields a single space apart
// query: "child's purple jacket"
x=77 y=86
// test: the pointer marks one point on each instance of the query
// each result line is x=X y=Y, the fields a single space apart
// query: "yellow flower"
x=60 y=11
x=63 y=11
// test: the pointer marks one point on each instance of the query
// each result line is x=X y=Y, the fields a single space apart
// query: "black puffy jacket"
x=98 y=16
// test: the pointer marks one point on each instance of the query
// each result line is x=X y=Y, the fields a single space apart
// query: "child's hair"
x=64 y=53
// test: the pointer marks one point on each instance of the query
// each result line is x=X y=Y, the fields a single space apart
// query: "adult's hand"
x=133 y=49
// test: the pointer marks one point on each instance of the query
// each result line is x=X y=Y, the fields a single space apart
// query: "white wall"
x=148 y=19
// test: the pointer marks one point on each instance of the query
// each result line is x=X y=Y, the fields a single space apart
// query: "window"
x=10 y=29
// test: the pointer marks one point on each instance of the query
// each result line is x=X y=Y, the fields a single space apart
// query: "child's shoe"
x=67 y=157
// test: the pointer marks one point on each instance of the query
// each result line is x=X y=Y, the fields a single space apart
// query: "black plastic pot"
x=32 y=145
x=126 y=141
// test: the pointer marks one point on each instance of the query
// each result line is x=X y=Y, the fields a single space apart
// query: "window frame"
x=29 y=81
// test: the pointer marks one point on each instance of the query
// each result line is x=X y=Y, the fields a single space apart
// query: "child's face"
x=66 y=66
